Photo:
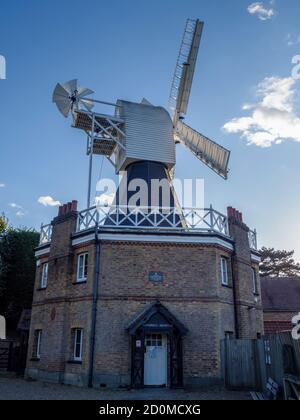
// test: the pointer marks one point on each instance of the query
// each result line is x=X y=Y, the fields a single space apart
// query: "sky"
x=244 y=97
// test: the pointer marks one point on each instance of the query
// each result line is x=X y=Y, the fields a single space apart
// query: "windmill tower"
x=141 y=138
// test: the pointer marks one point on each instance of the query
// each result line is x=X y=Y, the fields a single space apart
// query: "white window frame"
x=75 y=332
x=44 y=276
x=254 y=281
x=38 y=343
x=224 y=273
x=84 y=257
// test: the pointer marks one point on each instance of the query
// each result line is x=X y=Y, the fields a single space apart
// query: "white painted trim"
x=156 y=239
x=255 y=258
x=83 y=239
x=43 y=251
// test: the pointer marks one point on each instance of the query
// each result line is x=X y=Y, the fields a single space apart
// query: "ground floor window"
x=37 y=343
x=77 y=338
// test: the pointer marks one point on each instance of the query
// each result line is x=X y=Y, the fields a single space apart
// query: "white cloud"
x=15 y=206
x=20 y=214
x=2 y=185
x=48 y=201
x=291 y=40
x=273 y=119
x=262 y=12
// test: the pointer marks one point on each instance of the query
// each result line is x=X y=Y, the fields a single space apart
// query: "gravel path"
x=19 y=389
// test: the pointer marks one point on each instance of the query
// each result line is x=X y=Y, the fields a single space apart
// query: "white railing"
x=45 y=235
x=154 y=218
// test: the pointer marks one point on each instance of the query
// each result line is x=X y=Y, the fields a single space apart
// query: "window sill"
x=80 y=282
x=228 y=286
x=74 y=362
x=41 y=288
x=35 y=359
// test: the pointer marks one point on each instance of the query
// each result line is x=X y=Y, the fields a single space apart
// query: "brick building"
x=127 y=305
x=281 y=302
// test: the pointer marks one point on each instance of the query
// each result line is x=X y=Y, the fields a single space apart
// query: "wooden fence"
x=6 y=347
x=247 y=364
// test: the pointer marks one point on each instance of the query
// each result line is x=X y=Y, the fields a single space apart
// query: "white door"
x=155 y=362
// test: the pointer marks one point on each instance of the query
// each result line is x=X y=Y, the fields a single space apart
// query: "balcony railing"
x=45 y=234
x=154 y=218
x=185 y=220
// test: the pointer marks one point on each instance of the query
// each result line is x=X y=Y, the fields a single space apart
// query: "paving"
x=20 y=389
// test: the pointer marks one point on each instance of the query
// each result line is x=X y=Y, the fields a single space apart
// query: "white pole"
x=90 y=179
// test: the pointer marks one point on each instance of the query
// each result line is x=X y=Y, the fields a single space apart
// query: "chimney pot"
x=74 y=205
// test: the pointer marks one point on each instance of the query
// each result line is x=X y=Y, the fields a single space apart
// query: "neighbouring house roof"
x=281 y=293
x=24 y=321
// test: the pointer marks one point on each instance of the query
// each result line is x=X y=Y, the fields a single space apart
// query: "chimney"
x=234 y=215
x=64 y=226
x=67 y=209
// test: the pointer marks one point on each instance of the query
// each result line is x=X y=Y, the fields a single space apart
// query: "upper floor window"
x=44 y=276
x=254 y=281
x=37 y=344
x=224 y=271
x=77 y=337
x=82 y=267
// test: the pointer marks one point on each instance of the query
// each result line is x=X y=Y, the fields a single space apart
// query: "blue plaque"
x=156 y=276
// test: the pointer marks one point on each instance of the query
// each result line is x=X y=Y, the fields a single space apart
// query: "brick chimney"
x=64 y=225
x=60 y=272
x=249 y=321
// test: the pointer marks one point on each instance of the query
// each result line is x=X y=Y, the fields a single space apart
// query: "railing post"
x=226 y=226
x=211 y=213
x=193 y=218
x=41 y=234
x=78 y=223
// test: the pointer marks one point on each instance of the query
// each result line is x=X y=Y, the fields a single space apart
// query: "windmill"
x=141 y=138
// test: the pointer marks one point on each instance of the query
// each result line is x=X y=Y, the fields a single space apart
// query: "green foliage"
x=277 y=263
x=17 y=272
x=3 y=223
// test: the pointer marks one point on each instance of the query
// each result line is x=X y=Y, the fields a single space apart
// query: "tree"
x=17 y=272
x=277 y=263
x=3 y=224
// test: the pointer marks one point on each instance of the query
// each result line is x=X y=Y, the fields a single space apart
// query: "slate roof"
x=281 y=293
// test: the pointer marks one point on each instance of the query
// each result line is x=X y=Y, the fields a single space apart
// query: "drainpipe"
x=94 y=309
x=236 y=317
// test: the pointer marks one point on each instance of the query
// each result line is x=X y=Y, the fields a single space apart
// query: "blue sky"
x=128 y=49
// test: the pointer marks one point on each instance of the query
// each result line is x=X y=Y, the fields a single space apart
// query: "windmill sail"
x=185 y=68
x=69 y=95
x=212 y=154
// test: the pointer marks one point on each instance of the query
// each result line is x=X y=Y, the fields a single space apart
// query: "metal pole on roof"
x=90 y=180
x=91 y=163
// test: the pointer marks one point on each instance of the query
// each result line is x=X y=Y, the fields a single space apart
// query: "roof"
x=24 y=321
x=156 y=316
x=281 y=293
